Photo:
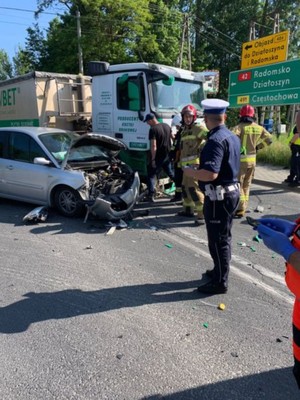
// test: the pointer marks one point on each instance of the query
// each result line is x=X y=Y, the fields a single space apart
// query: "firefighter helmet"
x=247 y=111
x=190 y=110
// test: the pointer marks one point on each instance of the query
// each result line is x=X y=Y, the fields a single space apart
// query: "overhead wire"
x=156 y=10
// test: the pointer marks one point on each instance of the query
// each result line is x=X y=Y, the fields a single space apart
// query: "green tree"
x=115 y=31
x=21 y=62
x=29 y=58
x=219 y=35
x=120 y=31
x=6 y=68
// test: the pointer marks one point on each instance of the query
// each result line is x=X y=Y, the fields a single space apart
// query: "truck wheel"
x=68 y=202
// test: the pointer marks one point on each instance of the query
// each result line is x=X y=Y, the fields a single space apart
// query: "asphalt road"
x=85 y=315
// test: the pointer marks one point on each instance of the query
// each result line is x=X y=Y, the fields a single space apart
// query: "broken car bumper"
x=105 y=209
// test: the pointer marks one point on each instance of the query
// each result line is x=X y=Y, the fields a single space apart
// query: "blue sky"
x=15 y=17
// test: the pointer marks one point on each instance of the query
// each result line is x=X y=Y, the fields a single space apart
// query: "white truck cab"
x=123 y=94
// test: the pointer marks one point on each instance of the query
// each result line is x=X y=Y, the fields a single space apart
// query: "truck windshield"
x=174 y=97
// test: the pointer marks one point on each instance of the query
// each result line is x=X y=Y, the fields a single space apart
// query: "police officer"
x=217 y=176
x=253 y=137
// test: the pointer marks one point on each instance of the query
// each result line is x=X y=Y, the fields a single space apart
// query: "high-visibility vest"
x=292 y=278
x=252 y=136
x=290 y=136
x=190 y=144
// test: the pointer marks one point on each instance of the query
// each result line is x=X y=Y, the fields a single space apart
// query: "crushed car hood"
x=89 y=139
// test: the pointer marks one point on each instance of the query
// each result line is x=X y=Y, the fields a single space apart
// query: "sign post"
x=272 y=85
x=265 y=51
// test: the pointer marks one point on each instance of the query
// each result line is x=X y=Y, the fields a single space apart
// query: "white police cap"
x=214 y=106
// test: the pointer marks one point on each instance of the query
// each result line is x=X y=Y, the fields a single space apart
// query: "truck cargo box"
x=46 y=99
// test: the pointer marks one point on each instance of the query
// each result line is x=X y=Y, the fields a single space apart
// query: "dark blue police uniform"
x=221 y=154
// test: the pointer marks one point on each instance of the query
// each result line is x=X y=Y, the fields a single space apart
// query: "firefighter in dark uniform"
x=176 y=125
x=217 y=176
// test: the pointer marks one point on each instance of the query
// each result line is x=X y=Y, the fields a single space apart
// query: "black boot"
x=186 y=212
x=177 y=198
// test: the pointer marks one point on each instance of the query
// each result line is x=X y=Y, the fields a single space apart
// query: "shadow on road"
x=37 y=307
x=276 y=384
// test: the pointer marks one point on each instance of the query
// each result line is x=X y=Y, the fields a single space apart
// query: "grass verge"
x=278 y=153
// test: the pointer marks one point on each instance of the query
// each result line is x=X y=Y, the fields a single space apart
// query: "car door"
x=21 y=178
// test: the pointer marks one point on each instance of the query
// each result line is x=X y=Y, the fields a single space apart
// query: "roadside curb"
x=282 y=186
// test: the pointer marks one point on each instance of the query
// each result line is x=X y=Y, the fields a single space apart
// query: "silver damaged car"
x=70 y=172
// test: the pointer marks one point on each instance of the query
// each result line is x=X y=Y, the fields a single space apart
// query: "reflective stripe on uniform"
x=189 y=158
x=251 y=158
x=189 y=137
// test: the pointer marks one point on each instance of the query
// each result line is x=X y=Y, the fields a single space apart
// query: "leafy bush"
x=278 y=153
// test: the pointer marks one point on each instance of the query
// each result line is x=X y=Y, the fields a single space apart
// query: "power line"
x=24 y=10
x=154 y=9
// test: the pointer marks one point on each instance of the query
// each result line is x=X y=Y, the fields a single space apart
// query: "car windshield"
x=174 y=97
x=58 y=143
x=88 y=153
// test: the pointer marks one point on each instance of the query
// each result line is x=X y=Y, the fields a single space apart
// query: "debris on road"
x=37 y=214
x=111 y=230
x=257 y=239
x=221 y=306
x=121 y=224
x=259 y=209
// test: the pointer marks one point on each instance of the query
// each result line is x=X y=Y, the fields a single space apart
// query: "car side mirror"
x=41 y=161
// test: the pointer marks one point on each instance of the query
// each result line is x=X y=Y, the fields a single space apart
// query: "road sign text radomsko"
x=275 y=84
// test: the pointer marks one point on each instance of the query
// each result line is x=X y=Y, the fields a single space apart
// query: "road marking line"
x=287 y=297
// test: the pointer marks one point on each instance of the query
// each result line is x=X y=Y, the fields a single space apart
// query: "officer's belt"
x=227 y=189
x=217 y=192
x=231 y=188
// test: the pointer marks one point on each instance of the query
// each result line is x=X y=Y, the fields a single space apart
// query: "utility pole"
x=276 y=29
x=185 y=37
x=189 y=43
x=179 y=62
x=79 y=44
x=252 y=33
x=80 y=79
x=252 y=36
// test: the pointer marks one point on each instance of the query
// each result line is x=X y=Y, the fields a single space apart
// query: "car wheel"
x=68 y=202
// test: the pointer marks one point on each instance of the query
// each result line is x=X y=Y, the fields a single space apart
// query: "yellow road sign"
x=266 y=50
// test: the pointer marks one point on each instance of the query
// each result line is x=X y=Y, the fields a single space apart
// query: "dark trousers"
x=178 y=175
x=295 y=163
x=153 y=172
x=218 y=218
